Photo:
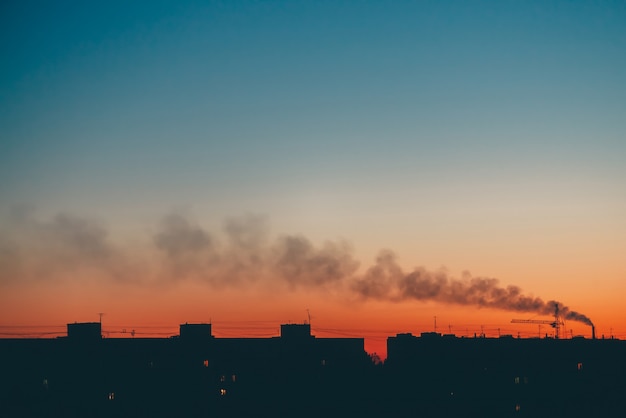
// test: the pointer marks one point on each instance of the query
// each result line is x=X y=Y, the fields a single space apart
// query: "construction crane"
x=556 y=323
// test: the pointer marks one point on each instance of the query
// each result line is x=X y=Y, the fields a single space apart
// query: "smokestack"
x=593 y=332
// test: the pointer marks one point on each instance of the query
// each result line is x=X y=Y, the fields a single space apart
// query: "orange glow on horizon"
x=44 y=312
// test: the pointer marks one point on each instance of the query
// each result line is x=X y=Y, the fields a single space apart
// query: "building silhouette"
x=442 y=375
x=196 y=374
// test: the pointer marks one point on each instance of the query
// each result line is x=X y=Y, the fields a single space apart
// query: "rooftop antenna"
x=101 y=314
x=435 y=323
x=308 y=313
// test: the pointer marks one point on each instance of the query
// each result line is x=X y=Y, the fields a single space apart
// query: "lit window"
x=111 y=396
x=517 y=407
x=222 y=378
x=580 y=366
x=234 y=378
x=517 y=380
x=222 y=392
x=206 y=363
x=323 y=362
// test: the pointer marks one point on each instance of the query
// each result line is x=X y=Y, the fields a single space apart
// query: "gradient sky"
x=487 y=136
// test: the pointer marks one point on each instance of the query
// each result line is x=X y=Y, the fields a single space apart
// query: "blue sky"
x=331 y=118
x=146 y=140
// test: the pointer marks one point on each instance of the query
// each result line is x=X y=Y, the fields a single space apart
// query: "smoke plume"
x=66 y=245
x=387 y=281
x=243 y=252
x=247 y=254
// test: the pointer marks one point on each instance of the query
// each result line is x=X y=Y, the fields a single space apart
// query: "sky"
x=376 y=163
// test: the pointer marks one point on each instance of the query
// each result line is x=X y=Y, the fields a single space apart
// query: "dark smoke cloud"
x=242 y=253
x=247 y=254
x=298 y=262
x=387 y=281
x=178 y=237
x=574 y=316
x=32 y=250
x=379 y=281
x=185 y=250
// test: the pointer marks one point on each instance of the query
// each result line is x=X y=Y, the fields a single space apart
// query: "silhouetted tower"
x=593 y=332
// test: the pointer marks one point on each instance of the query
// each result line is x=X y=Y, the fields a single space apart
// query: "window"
x=222 y=392
x=222 y=378
x=205 y=363
x=45 y=383
x=517 y=380
x=111 y=396
x=323 y=362
x=517 y=408
x=234 y=378
x=580 y=366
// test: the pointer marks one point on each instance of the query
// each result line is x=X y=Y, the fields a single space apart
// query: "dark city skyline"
x=439 y=180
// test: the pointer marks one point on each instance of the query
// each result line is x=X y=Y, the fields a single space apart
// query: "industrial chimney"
x=593 y=332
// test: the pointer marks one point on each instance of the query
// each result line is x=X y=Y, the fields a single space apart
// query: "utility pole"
x=435 y=323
